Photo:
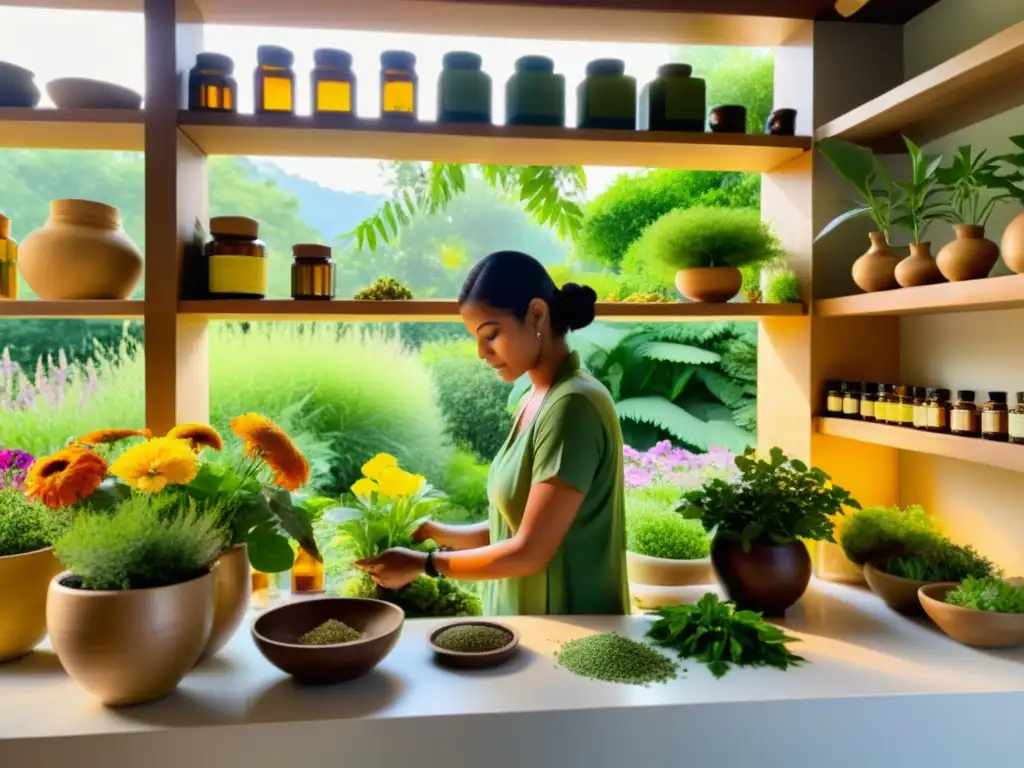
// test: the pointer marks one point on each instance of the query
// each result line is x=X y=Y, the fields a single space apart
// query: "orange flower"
x=267 y=441
x=103 y=436
x=198 y=435
x=67 y=476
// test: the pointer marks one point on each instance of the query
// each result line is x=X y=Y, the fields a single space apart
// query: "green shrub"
x=878 y=533
x=148 y=541
x=946 y=562
x=26 y=526
x=424 y=598
x=665 y=533
x=473 y=399
x=782 y=287
x=990 y=593
x=465 y=483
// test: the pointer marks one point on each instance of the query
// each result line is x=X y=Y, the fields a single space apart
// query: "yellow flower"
x=67 y=476
x=375 y=466
x=363 y=487
x=198 y=435
x=266 y=441
x=396 y=483
x=151 y=466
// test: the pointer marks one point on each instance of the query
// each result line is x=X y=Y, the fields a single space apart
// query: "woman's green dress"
x=575 y=436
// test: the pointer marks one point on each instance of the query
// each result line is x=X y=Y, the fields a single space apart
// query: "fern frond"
x=722 y=387
x=745 y=415
x=659 y=412
x=725 y=434
x=671 y=352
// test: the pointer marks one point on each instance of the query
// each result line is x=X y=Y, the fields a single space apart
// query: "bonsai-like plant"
x=26 y=526
x=946 y=561
x=970 y=181
x=878 y=533
x=782 y=287
x=923 y=200
x=989 y=593
x=665 y=533
x=877 y=197
x=775 y=501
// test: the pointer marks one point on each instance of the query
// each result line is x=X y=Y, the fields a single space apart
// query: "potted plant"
x=985 y=612
x=878 y=533
x=781 y=286
x=970 y=180
x=898 y=579
x=707 y=247
x=759 y=522
x=878 y=199
x=1010 y=184
x=383 y=510
x=923 y=201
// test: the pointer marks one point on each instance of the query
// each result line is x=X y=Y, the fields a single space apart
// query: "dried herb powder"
x=331 y=632
x=616 y=659
x=473 y=638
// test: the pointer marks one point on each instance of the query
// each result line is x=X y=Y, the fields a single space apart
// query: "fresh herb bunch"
x=945 y=562
x=970 y=181
x=988 y=594
x=775 y=501
x=27 y=526
x=715 y=633
x=782 y=287
x=878 y=533
x=424 y=598
x=878 y=198
x=148 y=541
x=385 y=289
x=665 y=533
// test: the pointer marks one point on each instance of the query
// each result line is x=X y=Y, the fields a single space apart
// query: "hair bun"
x=576 y=305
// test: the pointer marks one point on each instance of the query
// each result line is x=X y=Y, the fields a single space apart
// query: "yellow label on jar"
x=906 y=413
x=961 y=421
x=399 y=97
x=920 y=416
x=851 y=406
x=277 y=95
x=993 y=422
x=867 y=409
x=238 y=274
x=835 y=403
x=333 y=96
x=1017 y=425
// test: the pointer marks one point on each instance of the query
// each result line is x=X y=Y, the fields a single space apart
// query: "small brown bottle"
x=851 y=399
x=1017 y=421
x=868 y=401
x=834 y=398
x=920 y=409
x=307 y=574
x=937 y=409
x=995 y=418
x=963 y=415
x=904 y=406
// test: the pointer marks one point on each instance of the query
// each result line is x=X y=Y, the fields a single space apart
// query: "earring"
x=540 y=335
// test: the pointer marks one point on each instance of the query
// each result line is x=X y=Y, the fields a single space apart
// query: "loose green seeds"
x=616 y=659
x=473 y=638
x=331 y=632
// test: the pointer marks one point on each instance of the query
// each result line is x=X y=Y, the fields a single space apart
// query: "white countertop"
x=863 y=663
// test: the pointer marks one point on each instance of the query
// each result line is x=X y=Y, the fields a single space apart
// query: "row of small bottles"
x=307 y=577
x=535 y=94
x=928 y=409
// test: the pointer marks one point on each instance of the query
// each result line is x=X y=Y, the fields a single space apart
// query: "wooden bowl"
x=899 y=593
x=464 y=660
x=276 y=630
x=983 y=629
x=83 y=93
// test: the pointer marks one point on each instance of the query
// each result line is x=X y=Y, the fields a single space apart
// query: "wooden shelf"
x=320 y=136
x=446 y=310
x=967 y=296
x=82 y=309
x=112 y=129
x=975 y=450
x=980 y=82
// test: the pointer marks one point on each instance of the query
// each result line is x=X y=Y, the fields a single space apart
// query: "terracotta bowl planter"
x=876 y=269
x=276 y=630
x=484 y=660
x=709 y=284
x=769 y=578
x=232 y=588
x=984 y=629
x=1013 y=244
x=898 y=593
x=970 y=257
x=919 y=268
x=24 y=580
x=130 y=646
x=665 y=572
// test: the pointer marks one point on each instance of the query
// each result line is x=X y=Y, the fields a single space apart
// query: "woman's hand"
x=454 y=536
x=429 y=531
x=394 y=568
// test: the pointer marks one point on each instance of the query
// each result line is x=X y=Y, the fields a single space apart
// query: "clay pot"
x=24 y=580
x=983 y=629
x=130 y=646
x=876 y=269
x=232 y=588
x=81 y=252
x=970 y=257
x=665 y=572
x=919 y=267
x=769 y=578
x=1013 y=245
x=898 y=593
x=709 y=284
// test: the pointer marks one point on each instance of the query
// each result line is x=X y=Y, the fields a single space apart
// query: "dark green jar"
x=463 y=90
x=607 y=97
x=535 y=95
x=674 y=101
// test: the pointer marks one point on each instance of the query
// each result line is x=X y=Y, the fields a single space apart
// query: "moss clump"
x=424 y=598
x=385 y=289
x=331 y=632
x=616 y=659
x=782 y=287
x=988 y=594
x=665 y=533
x=473 y=638
x=877 y=533
x=945 y=562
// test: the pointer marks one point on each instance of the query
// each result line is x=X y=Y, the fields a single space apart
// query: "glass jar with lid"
x=463 y=90
x=904 y=405
x=399 y=85
x=851 y=399
x=674 y=101
x=937 y=409
x=333 y=83
x=834 y=398
x=887 y=406
x=236 y=259
x=535 y=95
x=868 y=401
x=920 y=409
x=275 y=79
x=963 y=415
x=1017 y=421
x=995 y=418
x=607 y=97
x=211 y=88
x=313 y=274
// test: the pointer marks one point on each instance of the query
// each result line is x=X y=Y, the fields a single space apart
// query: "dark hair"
x=510 y=280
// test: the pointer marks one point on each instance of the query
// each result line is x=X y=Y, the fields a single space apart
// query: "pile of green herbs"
x=612 y=658
x=944 y=562
x=990 y=593
x=27 y=526
x=715 y=633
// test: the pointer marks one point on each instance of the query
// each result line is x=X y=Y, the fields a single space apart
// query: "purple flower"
x=6 y=460
x=636 y=477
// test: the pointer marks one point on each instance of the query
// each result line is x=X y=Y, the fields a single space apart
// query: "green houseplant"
x=987 y=611
x=662 y=547
x=707 y=247
x=878 y=533
x=759 y=521
x=1012 y=184
x=923 y=202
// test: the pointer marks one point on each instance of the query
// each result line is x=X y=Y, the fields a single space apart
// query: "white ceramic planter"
x=663 y=572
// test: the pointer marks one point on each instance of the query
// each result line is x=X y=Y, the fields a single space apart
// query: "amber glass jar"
x=834 y=398
x=887 y=406
x=8 y=261
x=963 y=415
x=275 y=79
x=333 y=83
x=1017 y=421
x=399 y=85
x=868 y=401
x=920 y=409
x=307 y=574
x=995 y=418
x=936 y=407
x=236 y=259
x=211 y=88
x=260 y=580
x=904 y=405
x=312 y=272
x=851 y=399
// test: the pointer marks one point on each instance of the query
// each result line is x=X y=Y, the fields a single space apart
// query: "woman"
x=555 y=541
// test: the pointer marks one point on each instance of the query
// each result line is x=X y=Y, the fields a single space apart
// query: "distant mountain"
x=330 y=211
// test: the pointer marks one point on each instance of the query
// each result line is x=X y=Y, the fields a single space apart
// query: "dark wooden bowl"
x=898 y=593
x=276 y=630
x=463 y=660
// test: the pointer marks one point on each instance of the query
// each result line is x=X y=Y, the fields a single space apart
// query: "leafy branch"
x=967 y=179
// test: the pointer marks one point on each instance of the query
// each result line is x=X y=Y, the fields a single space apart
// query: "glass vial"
x=920 y=409
x=399 y=85
x=868 y=401
x=851 y=399
x=886 y=410
x=963 y=415
x=937 y=409
x=275 y=80
x=333 y=83
x=995 y=418
x=307 y=574
x=834 y=398
x=1017 y=421
x=8 y=261
x=211 y=88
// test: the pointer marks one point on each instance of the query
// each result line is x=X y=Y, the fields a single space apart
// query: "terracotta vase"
x=709 y=284
x=876 y=269
x=665 y=572
x=919 y=267
x=232 y=588
x=970 y=257
x=898 y=593
x=81 y=252
x=769 y=578
x=24 y=580
x=130 y=646
x=1013 y=244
